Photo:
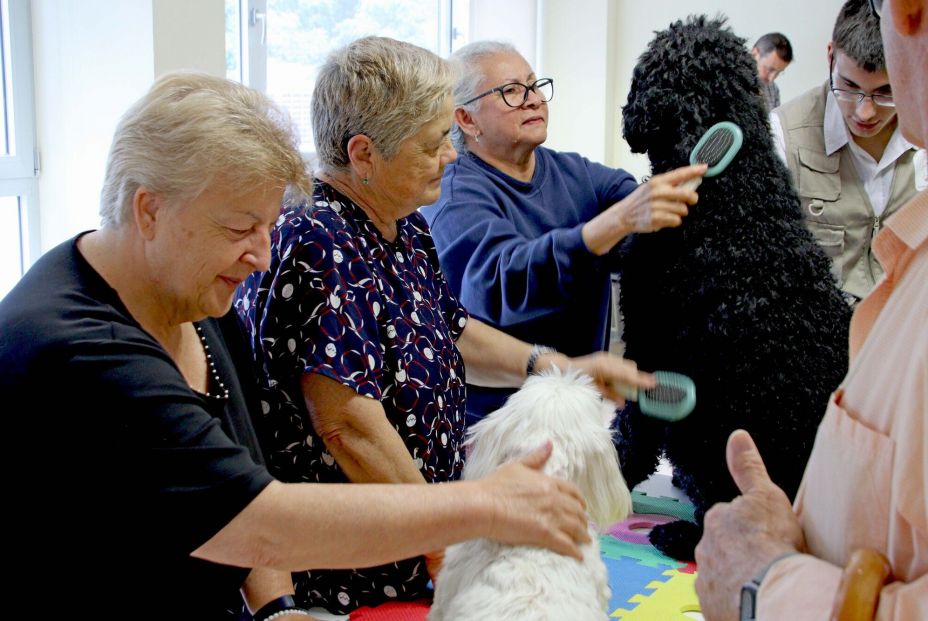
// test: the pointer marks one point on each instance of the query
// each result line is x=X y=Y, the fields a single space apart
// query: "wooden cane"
x=859 y=591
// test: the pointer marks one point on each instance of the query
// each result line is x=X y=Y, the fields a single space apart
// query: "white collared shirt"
x=877 y=177
x=921 y=169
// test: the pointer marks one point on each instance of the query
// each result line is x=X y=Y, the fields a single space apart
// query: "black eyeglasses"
x=857 y=97
x=515 y=94
x=877 y=7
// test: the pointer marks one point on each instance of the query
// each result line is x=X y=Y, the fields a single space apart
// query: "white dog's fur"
x=482 y=580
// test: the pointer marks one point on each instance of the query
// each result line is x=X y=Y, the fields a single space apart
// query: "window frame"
x=19 y=171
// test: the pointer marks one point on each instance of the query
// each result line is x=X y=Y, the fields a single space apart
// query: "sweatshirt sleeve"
x=611 y=184
x=507 y=264
x=512 y=278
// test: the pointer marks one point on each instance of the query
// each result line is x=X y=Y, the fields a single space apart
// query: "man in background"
x=841 y=141
x=773 y=54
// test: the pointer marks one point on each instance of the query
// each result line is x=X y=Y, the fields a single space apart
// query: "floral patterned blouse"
x=373 y=315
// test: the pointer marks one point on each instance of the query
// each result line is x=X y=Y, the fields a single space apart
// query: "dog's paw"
x=676 y=539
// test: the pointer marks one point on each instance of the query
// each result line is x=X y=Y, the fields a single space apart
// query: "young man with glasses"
x=841 y=142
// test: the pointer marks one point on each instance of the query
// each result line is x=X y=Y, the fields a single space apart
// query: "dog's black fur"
x=740 y=297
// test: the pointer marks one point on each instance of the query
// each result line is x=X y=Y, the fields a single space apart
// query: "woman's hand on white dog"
x=433 y=563
x=534 y=509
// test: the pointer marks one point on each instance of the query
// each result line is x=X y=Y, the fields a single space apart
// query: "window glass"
x=297 y=36
x=301 y=33
x=234 y=41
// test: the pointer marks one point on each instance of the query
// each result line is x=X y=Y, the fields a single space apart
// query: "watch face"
x=748 y=598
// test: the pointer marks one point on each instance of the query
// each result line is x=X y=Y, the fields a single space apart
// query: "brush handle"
x=630 y=393
x=691 y=184
x=657 y=405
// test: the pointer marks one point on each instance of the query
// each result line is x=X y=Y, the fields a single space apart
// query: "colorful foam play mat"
x=646 y=585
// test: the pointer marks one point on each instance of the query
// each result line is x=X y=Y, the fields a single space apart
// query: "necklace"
x=216 y=380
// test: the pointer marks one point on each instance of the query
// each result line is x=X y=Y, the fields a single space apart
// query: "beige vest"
x=834 y=201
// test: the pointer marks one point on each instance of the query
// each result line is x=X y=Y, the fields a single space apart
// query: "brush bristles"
x=669 y=392
x=716 y=146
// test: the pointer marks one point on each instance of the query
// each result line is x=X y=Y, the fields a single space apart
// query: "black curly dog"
x=740 y=297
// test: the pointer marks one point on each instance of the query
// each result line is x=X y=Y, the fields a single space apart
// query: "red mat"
x=393 y=611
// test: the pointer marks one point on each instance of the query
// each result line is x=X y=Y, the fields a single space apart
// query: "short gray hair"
x=469 y=76
x=380 y=87
x=192 y=128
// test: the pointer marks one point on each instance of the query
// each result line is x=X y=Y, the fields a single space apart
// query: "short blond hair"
x=379 y=87
x=189 y=130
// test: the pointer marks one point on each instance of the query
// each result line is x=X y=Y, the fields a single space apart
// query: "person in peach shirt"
x=865 y=484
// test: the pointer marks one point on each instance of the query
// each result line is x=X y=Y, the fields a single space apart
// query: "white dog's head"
x=566 y=408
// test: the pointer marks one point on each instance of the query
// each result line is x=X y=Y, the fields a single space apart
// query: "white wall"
x=591 y=46
x=513 y=21
x=93 y=59
x=577 y=48
x=189 y=34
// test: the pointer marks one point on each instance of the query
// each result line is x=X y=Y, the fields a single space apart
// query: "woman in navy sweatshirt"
x=525 y=234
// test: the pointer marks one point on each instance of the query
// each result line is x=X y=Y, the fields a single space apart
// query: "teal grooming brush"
x=671 y=399
x=717 y=148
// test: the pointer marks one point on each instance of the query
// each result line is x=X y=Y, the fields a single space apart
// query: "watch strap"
x=750 y=588
x=537 y=352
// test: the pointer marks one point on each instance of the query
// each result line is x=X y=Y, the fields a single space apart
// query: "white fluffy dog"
x=482 y=580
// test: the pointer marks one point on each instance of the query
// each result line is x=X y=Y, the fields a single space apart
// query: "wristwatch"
x=750 y=588
x=537 y=352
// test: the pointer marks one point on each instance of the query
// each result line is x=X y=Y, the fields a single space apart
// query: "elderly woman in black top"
x=116 y=370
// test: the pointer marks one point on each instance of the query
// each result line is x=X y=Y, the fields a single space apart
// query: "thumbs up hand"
x=742 y=536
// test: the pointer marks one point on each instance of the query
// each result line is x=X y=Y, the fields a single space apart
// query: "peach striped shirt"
x=865 y=484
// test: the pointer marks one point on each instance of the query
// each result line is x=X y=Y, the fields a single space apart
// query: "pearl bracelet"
x=282 y=606
x=289 y=611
